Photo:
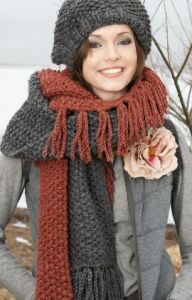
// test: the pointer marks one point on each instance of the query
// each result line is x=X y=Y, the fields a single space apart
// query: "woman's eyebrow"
x=100 y=36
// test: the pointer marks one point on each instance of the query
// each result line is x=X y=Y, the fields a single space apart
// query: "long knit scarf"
x=71 y=135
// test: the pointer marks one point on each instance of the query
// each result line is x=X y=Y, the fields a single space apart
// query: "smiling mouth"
x=112 y=73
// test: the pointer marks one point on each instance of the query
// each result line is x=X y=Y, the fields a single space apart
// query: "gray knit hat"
x=78 y=18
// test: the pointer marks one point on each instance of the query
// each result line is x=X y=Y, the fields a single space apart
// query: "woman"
x=100 y=165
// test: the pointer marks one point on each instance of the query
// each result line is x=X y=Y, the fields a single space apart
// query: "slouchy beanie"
x=78 y=18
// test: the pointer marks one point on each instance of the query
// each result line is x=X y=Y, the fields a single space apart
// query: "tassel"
x=98 y=283
x=161 y=104
x=109 y=178
x=155 y=114
x=58 y=137
x=134 y=135
x=157 y=83
x=82 y=138
x=122 y=129
x=141 y=116
x=131 y=127
x=104 y=136
x=144 y=105
x=150 y=116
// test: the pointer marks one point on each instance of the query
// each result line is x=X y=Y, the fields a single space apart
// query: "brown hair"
x=82 y=54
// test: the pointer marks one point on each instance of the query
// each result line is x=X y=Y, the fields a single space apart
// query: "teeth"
x=112 y=71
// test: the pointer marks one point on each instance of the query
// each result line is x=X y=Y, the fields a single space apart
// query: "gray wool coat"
x=149 y=203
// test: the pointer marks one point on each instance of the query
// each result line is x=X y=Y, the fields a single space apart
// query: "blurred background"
x=26 y=39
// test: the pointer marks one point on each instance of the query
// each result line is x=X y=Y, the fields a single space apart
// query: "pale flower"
x=154 y=158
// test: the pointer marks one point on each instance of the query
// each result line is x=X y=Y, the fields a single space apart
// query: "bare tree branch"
x=189 y=96
x=189 y=11
x=174 y=31
x=159 y=5
x=180 y=21
x=163 y=56
x=167 y=32
x=174 y=79
x=176 y=105
x=185 y=62
x=176 y=112
x=178 y=117
x=157 y=30
x=174 y=67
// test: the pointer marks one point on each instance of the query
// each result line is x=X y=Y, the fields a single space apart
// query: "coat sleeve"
x=182 y=214
x=13 y=275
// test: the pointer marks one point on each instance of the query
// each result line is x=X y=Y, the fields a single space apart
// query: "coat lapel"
x=149 y=202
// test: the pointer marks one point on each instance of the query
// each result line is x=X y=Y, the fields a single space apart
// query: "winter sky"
x=26 y=28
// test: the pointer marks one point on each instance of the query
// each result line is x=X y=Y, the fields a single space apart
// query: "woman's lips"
x=113 y=73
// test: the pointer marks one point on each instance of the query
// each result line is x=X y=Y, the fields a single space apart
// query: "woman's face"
x=111 y=61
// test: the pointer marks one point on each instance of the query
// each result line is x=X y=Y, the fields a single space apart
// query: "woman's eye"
x=93 y=45
x=97 y=45
x=126 y=42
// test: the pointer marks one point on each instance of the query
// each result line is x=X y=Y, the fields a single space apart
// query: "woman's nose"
x=112 y=53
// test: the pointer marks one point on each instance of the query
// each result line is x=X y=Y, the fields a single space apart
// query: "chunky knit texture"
x=76 y=19
x=142 y=107
x=76 y=182
x=53 y=278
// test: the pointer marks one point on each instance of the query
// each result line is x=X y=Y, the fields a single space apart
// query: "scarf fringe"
x=142 y=107
x=58 y=137
x=104 y=136
x=109 y=178
x=131 y=128
x=122 y=114
x=98 y=283
x=82 y=138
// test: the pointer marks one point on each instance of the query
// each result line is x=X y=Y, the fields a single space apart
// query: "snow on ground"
x=20 y=224
x=14 y=91
x=22 y=240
